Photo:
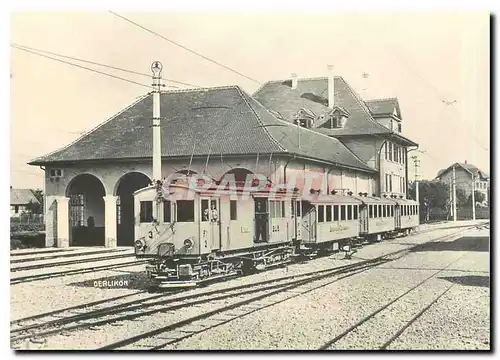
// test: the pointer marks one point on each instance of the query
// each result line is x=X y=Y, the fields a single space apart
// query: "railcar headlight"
x=188 y=243
x=140 y=244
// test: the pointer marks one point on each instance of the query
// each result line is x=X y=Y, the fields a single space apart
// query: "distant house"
x=20 y=200
x=464 y=173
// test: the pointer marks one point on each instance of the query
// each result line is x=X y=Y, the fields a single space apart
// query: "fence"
x=27 y=219
x=462 y=214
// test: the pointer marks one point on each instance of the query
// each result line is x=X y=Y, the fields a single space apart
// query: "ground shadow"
x=128 y=280
x=468 y=243
x=469 y=280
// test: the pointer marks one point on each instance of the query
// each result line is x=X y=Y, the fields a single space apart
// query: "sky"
x=423 y=59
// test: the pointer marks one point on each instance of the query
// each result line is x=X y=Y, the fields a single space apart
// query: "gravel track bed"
x=57 y=293
x=36 y=297
x=312 y=320
x=457 y=321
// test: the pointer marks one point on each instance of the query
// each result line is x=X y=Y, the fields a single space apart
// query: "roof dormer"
x=304 y=118
x=334 y=119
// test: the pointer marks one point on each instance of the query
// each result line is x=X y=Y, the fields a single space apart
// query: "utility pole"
x=451 y=199
x=416 y=163
x=473 y=197
x=454 y=186
x=156 y=68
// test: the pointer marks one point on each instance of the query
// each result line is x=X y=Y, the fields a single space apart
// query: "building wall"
x=464 y=182
x=110 y=174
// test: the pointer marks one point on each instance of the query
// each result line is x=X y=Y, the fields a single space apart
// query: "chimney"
x=331 y=87
x=294 y=81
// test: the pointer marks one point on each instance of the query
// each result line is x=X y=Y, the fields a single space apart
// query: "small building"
x=465 y=174
x=20 y=200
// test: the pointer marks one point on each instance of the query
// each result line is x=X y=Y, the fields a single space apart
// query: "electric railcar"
x=195 y=235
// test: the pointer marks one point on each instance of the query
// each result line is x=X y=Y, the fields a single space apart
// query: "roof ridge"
x=382 y=99
x=141 y=98
x=242 y=95
x=363 y=105
x=221 y=87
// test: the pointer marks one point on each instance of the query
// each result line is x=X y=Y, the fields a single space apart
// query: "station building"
x=286 y=130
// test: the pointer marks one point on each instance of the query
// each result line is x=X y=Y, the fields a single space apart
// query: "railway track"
x=293 y=285
x=173 y=333
x=385 y=311
x=147 y=306
x=13 y=254
x=45 y=276
x=71 y=262
x=63 y=255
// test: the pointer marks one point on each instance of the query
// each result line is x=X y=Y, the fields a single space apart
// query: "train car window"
x=328 y=213
x=380 y=211
x=349 y=212
x=355 y=212
x=335 y=213
x=271 y=210
x=233 y=209
x=146 y=211
x=282 y=209
x=298 y=209
x=384 y=211
x=370 y=211
x=292 y=208
x=167 y=211
x=321 y=213
x=392 y=210
x=205 y=211
x=342 y=212
x=375 y=212
x=185 y=210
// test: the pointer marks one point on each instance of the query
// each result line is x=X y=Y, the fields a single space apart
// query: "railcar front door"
x=205 y=225
x=261 y=220
x=297 y=219
x=397 y=211
x=215 y=223
x=308 y=222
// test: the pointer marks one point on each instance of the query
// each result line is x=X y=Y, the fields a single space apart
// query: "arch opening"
x=127 y=185
x=86 y=211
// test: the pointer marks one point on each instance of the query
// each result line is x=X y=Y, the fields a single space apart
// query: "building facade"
x=372 y=129
x=467 y=177
x=20 y=200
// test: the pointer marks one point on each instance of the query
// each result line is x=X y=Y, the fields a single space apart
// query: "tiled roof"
x=313 y=94
x=223 y=120
x=22 y=197
x=472 y=169
x=383 y=106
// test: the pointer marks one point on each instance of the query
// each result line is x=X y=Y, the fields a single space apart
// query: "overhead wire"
x=185 y=48
x=103 y=65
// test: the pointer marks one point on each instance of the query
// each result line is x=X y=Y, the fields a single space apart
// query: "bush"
x=17 y=244
x=14 y=228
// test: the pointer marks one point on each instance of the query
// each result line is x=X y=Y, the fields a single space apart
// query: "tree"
x=462 y=200
x=36 y=208
x=478 y=198
x=436 y=193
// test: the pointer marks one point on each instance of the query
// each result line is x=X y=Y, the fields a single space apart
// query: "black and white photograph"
x=240 y=181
